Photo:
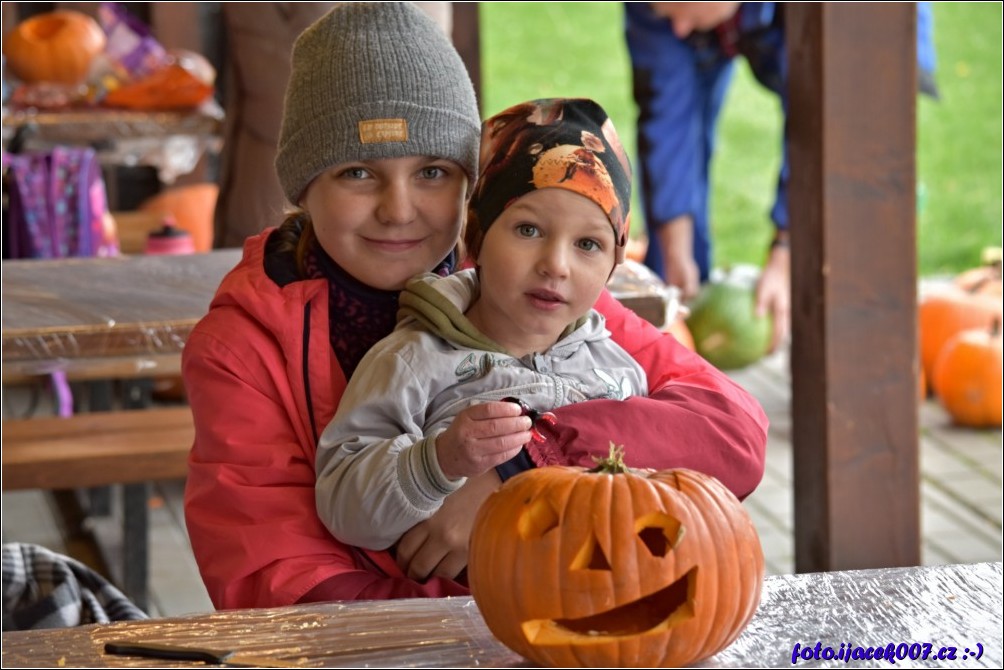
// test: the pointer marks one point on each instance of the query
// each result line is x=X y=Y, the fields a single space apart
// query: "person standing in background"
x=683 y=57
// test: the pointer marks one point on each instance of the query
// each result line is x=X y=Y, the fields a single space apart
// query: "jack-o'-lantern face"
x=576 y=568
x=589 y=569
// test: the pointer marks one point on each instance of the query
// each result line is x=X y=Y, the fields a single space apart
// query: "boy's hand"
x=481 y=437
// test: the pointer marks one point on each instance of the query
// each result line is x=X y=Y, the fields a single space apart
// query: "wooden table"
x=130 y=315
x=124 y=318
x=173 y=142
x=947 y=606
x=645 y=293
x=105 y=317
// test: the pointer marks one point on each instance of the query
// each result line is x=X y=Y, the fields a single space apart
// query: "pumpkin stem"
x=995 y=327
x=613 y=464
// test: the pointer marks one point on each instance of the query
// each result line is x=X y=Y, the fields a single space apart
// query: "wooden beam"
x=467 y=40
x=853 y=83
x=182 y=25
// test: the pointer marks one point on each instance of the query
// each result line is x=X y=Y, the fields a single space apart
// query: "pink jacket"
x=263 y=382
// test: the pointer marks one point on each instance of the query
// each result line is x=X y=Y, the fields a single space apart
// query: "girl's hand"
x=437 y=547
x=481 y=437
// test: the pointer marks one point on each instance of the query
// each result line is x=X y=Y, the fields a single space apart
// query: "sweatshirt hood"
x=439 y=303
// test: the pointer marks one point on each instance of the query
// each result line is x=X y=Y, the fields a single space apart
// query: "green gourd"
x=726 y=330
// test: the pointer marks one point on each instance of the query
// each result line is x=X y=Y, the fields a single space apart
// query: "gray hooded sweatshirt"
x=377 y=471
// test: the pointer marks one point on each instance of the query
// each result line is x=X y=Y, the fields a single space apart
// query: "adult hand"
x=682 y=272
x=481 y=437
x=690 y=16
x=676 y=241
x=773 y=293
x=437 y=547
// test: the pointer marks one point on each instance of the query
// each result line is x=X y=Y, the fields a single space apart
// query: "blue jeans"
x=679 y=87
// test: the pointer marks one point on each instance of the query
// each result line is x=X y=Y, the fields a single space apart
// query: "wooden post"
x=180 y=25
x=467 y=40
x=853 y=87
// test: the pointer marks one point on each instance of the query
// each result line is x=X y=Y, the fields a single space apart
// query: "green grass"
x=533 y=50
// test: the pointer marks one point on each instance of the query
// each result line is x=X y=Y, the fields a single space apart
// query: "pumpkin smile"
x=652 y=613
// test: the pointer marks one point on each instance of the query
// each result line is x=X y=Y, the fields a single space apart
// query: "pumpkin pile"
x=611 y=567
x=723 y=321
x=66 y=58
x=960 y=344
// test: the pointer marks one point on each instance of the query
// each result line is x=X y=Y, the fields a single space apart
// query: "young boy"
x=424 y=410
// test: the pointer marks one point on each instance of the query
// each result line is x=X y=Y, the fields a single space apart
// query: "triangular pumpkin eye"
x=659 y=532
x=590 y=557
x=537 y=519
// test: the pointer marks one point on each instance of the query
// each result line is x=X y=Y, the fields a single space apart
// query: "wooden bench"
x=96 y=449
x=99 y=449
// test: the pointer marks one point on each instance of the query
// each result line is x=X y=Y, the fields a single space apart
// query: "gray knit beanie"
x=375 y=80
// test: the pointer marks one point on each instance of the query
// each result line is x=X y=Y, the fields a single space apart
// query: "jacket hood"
x=438 y=304
x=250 y=286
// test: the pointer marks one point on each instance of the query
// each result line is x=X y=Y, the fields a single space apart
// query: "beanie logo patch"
x=375 y=131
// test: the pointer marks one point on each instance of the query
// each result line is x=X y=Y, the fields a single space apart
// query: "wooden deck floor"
x=961 y=485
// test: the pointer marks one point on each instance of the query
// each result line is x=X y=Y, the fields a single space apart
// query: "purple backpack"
x=56 y=205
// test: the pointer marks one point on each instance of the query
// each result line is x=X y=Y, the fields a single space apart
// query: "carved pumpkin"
x=613 y=567
x=942 y=314
x=968 y=377
x=57 y=46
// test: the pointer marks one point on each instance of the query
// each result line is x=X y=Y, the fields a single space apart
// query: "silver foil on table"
x=956 y=605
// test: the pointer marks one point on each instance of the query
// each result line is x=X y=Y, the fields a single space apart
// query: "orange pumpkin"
x=968 y=377
x=57 y=46
x=678 y=328
x=614 y=567
x=636 y=249
x=944 y=313
x=193 y=208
